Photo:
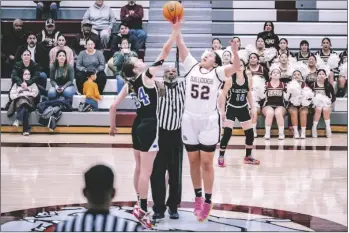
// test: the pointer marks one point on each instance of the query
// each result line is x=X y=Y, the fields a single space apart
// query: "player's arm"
x=223 y=96
x=229 y=70
x=112 y=111
x=182 y=48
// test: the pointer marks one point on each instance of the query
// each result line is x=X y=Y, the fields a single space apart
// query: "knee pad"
x=205 y=148
x=192 y=148
x=226 y=137
x=249 y=137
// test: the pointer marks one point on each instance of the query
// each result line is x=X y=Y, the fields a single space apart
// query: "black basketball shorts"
x=145 y=134
x=242 y=114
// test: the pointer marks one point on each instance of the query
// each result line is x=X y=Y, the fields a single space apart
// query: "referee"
x=170 y=155
x=99 y=191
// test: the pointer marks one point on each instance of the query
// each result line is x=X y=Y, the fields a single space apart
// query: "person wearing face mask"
x=79 y=43
x=140 y=84
x=61 y=46
x=11 y=40
x=269 y=36
x=49 y=35
x=23 y=102
x=119 y=58
x=304 y=52
x=274 y=105
x=322 y=87
x=170 y=155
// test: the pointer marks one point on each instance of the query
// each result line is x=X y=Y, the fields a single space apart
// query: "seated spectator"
x=90 y=59
x=61 y=77
x=124 y=32
x=38 y=53
x=312 y=71
x=226 y=57
x=326 y=50
x=234 y=39
x=283 y=48
x=217 y=47
x=91 y=91
x=51 y=6
x=49 y=35
x=61 y=45
x=132 y=15
x=102 y=19
x=23 y=102
x=119 y=58
x=269 y=36
x=86 y=34
x=342 y=82
x=343 y=56
x=11 y=40
x=37 y=76
x=304 y=52
x=99 y=191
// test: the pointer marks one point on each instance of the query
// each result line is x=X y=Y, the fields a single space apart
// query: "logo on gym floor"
x=233 y=218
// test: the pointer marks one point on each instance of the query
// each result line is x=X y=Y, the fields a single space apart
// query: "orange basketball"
x=173 y=9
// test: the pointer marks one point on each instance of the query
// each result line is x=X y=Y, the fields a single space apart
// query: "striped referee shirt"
x=97 y=222
x=172 y=107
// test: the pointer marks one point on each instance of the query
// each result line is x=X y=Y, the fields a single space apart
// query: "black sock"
x=248 y=151
x=198 y=192
x=221 y=153
x=208 y=198
x=144 y=205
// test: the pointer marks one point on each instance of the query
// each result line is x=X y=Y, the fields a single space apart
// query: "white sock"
x=295 y=129
x=267 y=130
x=327 y=122
x=281 y=130
x=303 y=130
x=254 y=127
x=315 y=124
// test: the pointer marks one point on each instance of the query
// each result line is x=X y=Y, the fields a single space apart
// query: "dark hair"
x=260 y=38
x=99 y=180
x=90 y=40
x=304 y=42
x=26 y=50
x=319 y=70
x=89 y=73
x=249 y=57
x=284 y=40
x=127 y=69
x=216 y=39
x=243 y=62
x=326 y=82
x=326 y=38
x=123 y=24
x=312 y=55
x=31 y=33
x=218 y=59
x=56 y=64
x=124 y=38
x=61 y=36
x=272 y=26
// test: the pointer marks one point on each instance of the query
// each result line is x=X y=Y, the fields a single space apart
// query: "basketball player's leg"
x=136 y=154
x=279 y=116
x=303 y=118
x=293 y=111
x=317 y=116
x=268 y=113
x=228 y=125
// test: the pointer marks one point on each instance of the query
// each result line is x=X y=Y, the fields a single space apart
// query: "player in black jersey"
x=238 y=96
x=142 y=87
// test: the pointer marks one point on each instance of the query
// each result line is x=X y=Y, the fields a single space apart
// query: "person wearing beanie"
x=269 y=36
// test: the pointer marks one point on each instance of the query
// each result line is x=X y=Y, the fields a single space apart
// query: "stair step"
x=190 y=14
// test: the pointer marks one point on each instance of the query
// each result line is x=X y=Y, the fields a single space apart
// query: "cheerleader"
x=274 y=104
x=237 y=91
x=260 y=47
x=326 y=50
x=285 y=68
x=304 y=53
x=217 y=46
x=235 y=39
x=342 y=83
x=299 y=103
x=226 y=57
x=312 y=71
x=324 y=97
x=343 y=57
x=283 y=45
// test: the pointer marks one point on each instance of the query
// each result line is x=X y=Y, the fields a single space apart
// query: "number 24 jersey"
x=202 y=87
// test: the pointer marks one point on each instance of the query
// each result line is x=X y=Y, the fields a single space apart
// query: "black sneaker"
x=173 y=214
x=158 y=216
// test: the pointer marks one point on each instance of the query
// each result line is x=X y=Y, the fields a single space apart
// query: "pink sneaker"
x=221 y=161
x=143 y=217
x=199 y=201
x=205 y=212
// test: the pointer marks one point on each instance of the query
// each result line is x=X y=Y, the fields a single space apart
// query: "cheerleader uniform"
x=261 y=71
x=300 y=57
x=285 y=78
x=287 y=52
x=311 y=78
x=275 y=95
x=303 y=84
x=323 y=56
x=343 y=58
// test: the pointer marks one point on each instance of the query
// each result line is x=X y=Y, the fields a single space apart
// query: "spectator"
x=35 y=69
x=11 y=40
x=343 y=56
x=23 y=102
x=86 y=34
x=269 y=36
x=312 y=71
x=285 y=68
x=49 y=35
x=99 y=191
x=90 y=59
x=102 y=19
x=283 y=48
x=91 y=91
x=326 y=50
x=61 y=45
x=124 y=32
x=42 y=6
x=132 y=15
x=226 y=57
x=119 y=58
x=61 y=77
x=217 y=47
x=38 y=53
x=304 y=53
x=234 y=39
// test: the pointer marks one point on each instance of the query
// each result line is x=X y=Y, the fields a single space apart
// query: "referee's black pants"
x=170 y=158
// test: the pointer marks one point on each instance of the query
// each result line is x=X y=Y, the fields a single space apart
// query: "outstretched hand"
x=177 y=24
x=235 y=46
x=113 y=131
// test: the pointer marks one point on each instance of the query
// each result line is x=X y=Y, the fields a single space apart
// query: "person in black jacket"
x=48 y=37
x=11 y=40
x=269 y=36
x=42 y=6
x=35 y=70
x=124 y=32
x=86 y=34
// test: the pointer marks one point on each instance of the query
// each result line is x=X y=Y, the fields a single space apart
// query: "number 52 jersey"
x=202 y=87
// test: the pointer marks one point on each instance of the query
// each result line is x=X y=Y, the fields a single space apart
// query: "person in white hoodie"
x=102 y=19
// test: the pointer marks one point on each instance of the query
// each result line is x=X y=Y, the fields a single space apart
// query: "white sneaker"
x=25 y=133
x=267 y=136
x=255 y=134
x=296 y=135
x=314 y=132
x=16 y=123
x=303 y=136
x=328 y=132
x=282 y=136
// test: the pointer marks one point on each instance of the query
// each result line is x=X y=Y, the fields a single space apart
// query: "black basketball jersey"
x=238 y=93
x=146 y=99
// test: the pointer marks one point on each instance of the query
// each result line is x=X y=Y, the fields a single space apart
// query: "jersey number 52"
x=202 y=93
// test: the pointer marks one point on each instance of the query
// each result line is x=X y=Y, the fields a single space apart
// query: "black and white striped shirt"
x=172 y=107
x=97 y=222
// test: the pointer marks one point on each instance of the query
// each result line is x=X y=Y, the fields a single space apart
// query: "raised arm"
x=112 y=111
x=223 y=96
x=229 y=70
x=182 y=48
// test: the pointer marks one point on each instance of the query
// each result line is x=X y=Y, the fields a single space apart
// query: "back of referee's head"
x=99 y=185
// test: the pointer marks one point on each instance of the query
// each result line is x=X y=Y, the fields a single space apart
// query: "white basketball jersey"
x=202 y=90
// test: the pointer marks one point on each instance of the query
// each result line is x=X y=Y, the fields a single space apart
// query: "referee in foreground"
x=170 y=155
x=99 y=191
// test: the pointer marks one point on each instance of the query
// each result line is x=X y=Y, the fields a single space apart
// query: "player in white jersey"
x=201 y=120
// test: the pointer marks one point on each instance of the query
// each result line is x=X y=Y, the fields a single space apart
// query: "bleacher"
x=204 y=20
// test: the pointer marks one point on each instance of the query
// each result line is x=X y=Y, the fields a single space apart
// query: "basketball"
x=173 y=9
